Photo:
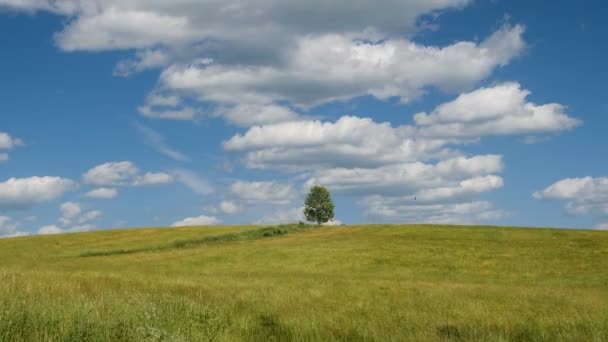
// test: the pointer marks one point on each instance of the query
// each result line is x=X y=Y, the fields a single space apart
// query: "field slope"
x=352 y=283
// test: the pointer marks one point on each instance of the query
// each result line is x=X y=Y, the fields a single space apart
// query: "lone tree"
x=319 y=207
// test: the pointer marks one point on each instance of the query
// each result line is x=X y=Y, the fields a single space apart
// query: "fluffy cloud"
x=586 y=195
x=393 y=209
x=112 y=24
x=123 y=174
x=446 y=179
x=20 y=193
x=314 y=74
x=72 y=214
x=73 y=219
x=197 y=221
x=249 y=55
x=111 y=174
x=229 y=207
x=49 y=230
x=102 y=193
x=497 y=110
x=7 y=142
x=349 y=142
x=263 y=192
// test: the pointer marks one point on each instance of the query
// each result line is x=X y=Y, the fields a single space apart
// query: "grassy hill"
x=354 y=283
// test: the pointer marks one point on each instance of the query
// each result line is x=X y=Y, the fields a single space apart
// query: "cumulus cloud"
x=229 y=207
x=583 y=196
x=446 y=179
x=348 y=142
x=393 y=209
x=111 y=174
x=123 y=173
x=22 y=193
x=314 y=74
x=197 y=221
x=73 y=219
x=7 y=142
x=497 y=110
x=263 y=192
x=102 y=193
x=73 y=214
x=49 y=230
x=112 y=24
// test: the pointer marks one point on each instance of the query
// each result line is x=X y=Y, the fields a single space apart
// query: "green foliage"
x=319 y=206
x=292 y=283
x=205 y=240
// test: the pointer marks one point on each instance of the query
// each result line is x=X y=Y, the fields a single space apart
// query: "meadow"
x=306 y=283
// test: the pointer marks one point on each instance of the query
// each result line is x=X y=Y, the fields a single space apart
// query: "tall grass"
x=354 y=283
x=205 y=240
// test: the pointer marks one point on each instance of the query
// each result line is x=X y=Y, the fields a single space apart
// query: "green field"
x=351 y=283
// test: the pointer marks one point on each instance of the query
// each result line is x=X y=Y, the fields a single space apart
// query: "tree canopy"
x=319 y=206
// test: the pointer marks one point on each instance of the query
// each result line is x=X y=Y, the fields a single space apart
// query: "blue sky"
x=130 y=113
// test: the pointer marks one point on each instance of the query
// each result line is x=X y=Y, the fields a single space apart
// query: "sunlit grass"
x=352 y=283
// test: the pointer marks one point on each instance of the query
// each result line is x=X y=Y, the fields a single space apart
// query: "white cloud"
x=446 y=179
x=392 y=209
x=73 y=219
x=50 y=229
x=111 y=174
x=111 y=24
x=143 y=60
x=314 y=74
x=69 y=211
x=19 y=193
x=123 y=173
x=102 y=193
x=73 y=215
x=583 y=196
x=602 y=226
x=263 y=192
x=153 y=179
x=7 y=142
x=229 y=207
x=349 y=142
x=497 y=110
x=197 y=221
x=114 y=28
